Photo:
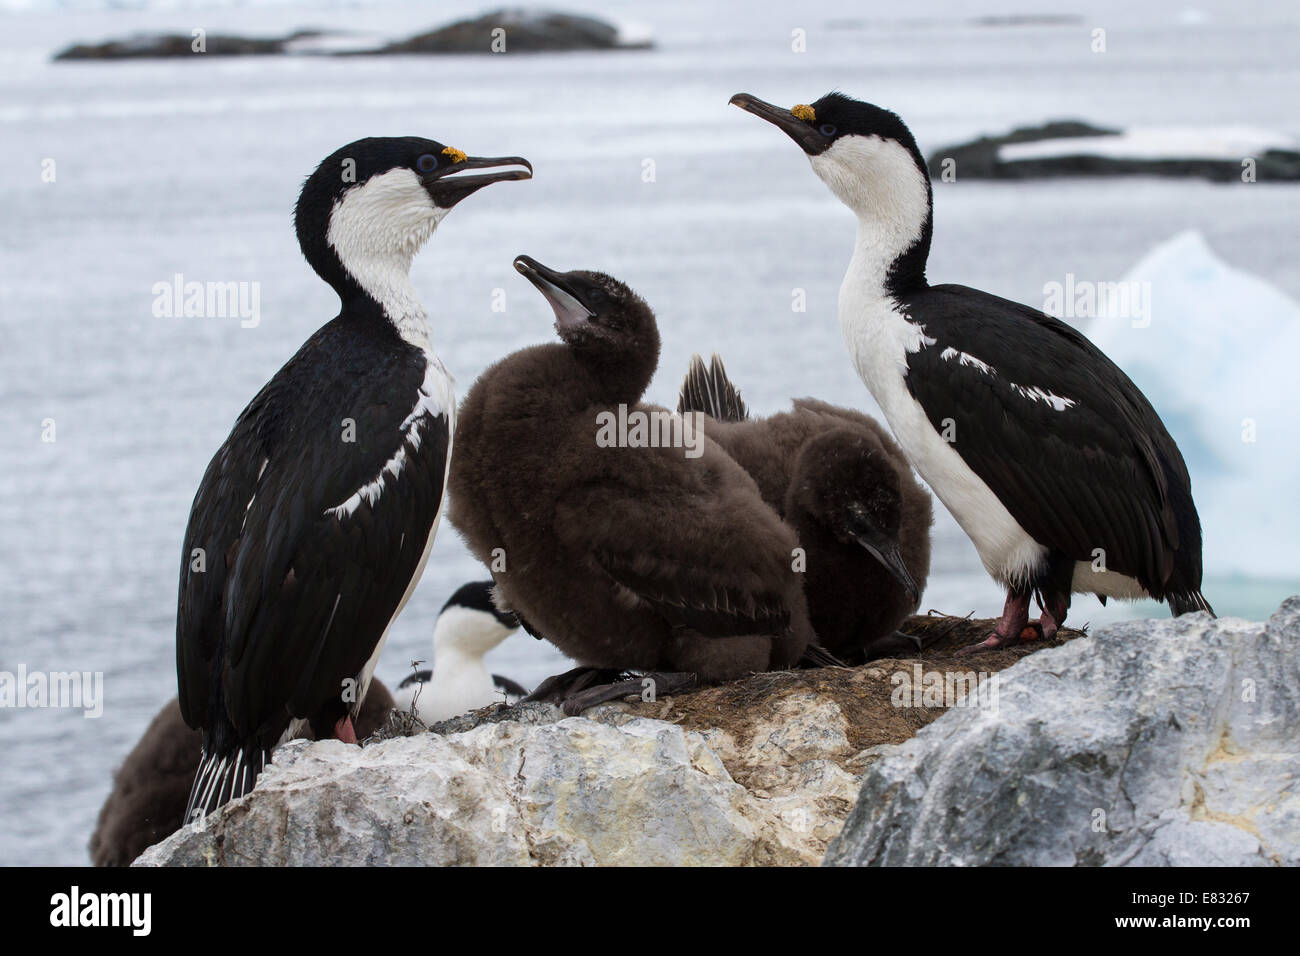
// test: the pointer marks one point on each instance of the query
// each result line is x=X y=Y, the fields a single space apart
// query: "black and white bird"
x=468 y=626
x=1050 y=458
x=314 y=520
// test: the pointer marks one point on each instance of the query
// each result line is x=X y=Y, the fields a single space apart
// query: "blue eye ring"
x=827 y=129
x=427 y=163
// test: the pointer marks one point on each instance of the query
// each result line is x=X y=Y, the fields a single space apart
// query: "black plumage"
x=1064 y=476
x=312 y=522
x=294 y=597
x=1106 y=477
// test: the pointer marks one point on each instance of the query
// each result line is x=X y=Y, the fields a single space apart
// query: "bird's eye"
x=827 y=129
x=427 y=163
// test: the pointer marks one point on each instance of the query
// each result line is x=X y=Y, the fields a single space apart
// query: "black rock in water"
x=153 y=46
x=526 y=31
x=981 y=159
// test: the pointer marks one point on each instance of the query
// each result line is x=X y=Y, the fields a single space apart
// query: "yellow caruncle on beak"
x=457 y=155
x=805 y=113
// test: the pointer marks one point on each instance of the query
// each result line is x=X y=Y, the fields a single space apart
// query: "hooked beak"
x=805 y=134
x=447 y=187
x=570 y=311
x=885 y=550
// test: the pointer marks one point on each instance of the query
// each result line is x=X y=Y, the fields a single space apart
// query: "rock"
x=525 y=31
x=759 y=771
x=1212 y=154
x=1153 y=743
x=151 y=787
x=610 y=789
x=145 y=45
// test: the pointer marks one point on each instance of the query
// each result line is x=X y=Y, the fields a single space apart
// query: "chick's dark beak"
x=885 y=550
x=562 y=294
x=802 y=132
x=448 y=186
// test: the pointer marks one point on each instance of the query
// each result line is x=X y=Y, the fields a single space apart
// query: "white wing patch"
x=913 y=336
x=963 y=358
x=1034 y=393
x=1037 y=394
x=435 y=397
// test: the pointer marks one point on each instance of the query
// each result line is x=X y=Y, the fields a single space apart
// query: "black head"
x=607 y=325
x=374 y=202
x=870 y=160
x=817 y=126
x=477 y=596
x=842 y=481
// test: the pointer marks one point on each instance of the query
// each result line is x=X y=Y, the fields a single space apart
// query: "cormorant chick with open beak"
x=628 y=553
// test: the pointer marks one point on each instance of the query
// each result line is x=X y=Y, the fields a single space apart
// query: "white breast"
x=879 y=337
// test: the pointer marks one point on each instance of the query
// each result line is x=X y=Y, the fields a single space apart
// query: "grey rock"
x=527 y=786
x=1152 y=743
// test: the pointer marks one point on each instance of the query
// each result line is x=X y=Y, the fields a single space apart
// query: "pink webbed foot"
x=1012 y=629
x=344 y=731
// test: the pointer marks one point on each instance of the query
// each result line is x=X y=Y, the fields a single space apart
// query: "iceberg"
x=1216 y=354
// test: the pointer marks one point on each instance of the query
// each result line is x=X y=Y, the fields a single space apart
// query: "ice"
x=1218 y=361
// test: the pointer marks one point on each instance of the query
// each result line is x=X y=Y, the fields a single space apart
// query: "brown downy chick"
x=625 y=552
x=844 y=485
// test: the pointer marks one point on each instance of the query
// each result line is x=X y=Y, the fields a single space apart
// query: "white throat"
x=878 y=179
x=461 y=679
x=376 y=229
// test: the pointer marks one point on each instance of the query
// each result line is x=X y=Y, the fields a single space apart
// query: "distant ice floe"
x=1220 y=361
x=1156 y=142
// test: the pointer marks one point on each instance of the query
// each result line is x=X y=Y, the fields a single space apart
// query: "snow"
x=1218 y=361
x=1157 y=142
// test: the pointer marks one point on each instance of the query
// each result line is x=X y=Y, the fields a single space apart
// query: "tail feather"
x=1188 y=602
x=222 y=778
x=708 y=390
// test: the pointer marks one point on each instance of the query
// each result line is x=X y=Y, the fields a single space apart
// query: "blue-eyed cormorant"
x=1050 y=458
x=468 y=626
x=314 y=520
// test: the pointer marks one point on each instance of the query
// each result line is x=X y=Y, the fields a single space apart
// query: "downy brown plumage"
x=838 y=478
x=625 y=558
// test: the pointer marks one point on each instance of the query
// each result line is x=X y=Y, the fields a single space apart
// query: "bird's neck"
x=619 y=380
x=889 y=253
x=376 y=262
x=458 y=671
x=384 y=281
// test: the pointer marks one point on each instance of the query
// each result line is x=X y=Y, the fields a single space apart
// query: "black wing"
x=1056 y=430
x=310 y=540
